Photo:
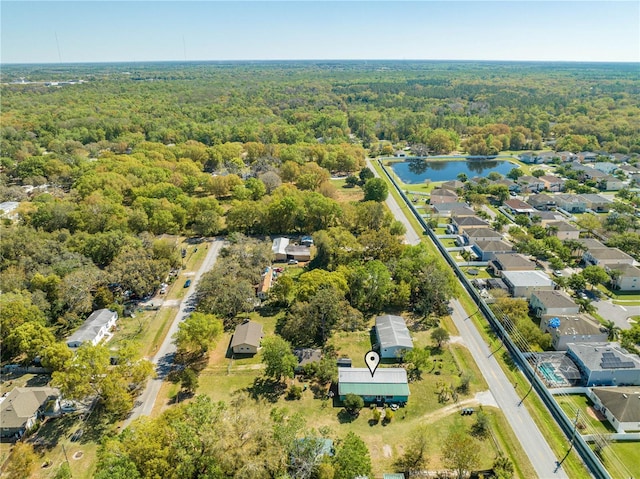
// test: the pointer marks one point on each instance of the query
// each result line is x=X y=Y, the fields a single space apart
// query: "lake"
x=419 y=171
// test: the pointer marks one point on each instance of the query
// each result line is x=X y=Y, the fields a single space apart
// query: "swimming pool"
x=549 y=373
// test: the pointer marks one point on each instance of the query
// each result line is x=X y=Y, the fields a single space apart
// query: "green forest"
x=110 y=162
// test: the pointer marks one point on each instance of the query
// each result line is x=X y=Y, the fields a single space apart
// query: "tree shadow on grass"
x=345 y=417
x=267 y=388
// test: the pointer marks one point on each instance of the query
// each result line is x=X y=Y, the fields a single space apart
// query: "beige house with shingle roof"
x=21 y=409
x=563 y=230
x=246 y=338
x=510 y=262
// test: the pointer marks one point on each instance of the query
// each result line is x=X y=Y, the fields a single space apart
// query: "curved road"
x=164 y=357
x=533 y=442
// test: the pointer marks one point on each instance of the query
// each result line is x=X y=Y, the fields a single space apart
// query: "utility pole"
x=573 y=435
x=67 y=459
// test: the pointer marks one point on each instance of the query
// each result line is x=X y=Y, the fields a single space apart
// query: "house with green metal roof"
x=387 y=385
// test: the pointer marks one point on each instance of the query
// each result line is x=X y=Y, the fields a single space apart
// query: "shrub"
x=295 y=392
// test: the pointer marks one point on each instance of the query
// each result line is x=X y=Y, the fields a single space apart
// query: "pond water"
x=420 y=171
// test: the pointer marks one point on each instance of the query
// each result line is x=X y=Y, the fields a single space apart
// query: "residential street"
x=540 y=454
x=619 y=314
x=164 y=357
x=410 y=237
x=534 y=444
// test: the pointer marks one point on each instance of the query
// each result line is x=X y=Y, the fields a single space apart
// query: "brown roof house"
x=620 y=405
x=442 y=195
x=518 y=207
x=246 y=338
x=21 y=409
x=510 y=262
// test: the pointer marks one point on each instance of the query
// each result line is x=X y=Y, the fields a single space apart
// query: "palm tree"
x=585 y=306
x=614 y=330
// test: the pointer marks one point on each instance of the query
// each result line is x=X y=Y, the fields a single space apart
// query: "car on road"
x=187 y=283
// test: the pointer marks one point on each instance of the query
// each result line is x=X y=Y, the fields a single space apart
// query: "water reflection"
x=421 y=170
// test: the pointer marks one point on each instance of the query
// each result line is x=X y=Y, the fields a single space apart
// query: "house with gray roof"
x=246 y=338
x=385 y=386
x=453 y=209
x=522 y=284
x=530 y=184
x=571 y=203
x=542 y=201
x=606 y=257
x=620 y=405
x=625 y=277
x=487 y=250
x=611 y=183
x=21 y=409
x=553 y=302
x=392 y=336
x=452 y=185
x=306 y=356
x=510 y=262
x=481 y=234
x=94 y=329
x=572 y=328
x=597 y=203
x=605 y=364
x=591 y=243
x=546 y=217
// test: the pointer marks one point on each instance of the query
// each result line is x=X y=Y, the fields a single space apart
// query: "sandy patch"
x=387 y=451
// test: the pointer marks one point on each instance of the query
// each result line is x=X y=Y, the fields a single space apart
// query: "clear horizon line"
x=284 y=60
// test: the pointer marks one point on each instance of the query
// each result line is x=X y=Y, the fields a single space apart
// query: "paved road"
x=410 y=237
x=619 y=314
x=164 y=357
x=533 y=442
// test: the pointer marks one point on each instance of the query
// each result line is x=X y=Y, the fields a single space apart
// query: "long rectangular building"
x=387 y=385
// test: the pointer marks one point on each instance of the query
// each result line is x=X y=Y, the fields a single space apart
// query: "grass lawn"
x=223 y=377
x=626 y=452
x=346 y=193
x=580 y=402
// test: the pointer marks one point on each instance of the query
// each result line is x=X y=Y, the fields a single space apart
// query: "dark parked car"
x=187 y=283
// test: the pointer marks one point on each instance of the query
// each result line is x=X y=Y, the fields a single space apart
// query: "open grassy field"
x=223 y=377
x=628 y=453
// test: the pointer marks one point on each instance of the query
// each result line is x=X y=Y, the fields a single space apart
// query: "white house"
x=94 y=329
x=620 y=405
x=563 y=230
x=625 y=277
x=522 y=284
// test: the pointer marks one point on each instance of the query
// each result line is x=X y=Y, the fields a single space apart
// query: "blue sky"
x=95 y=31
